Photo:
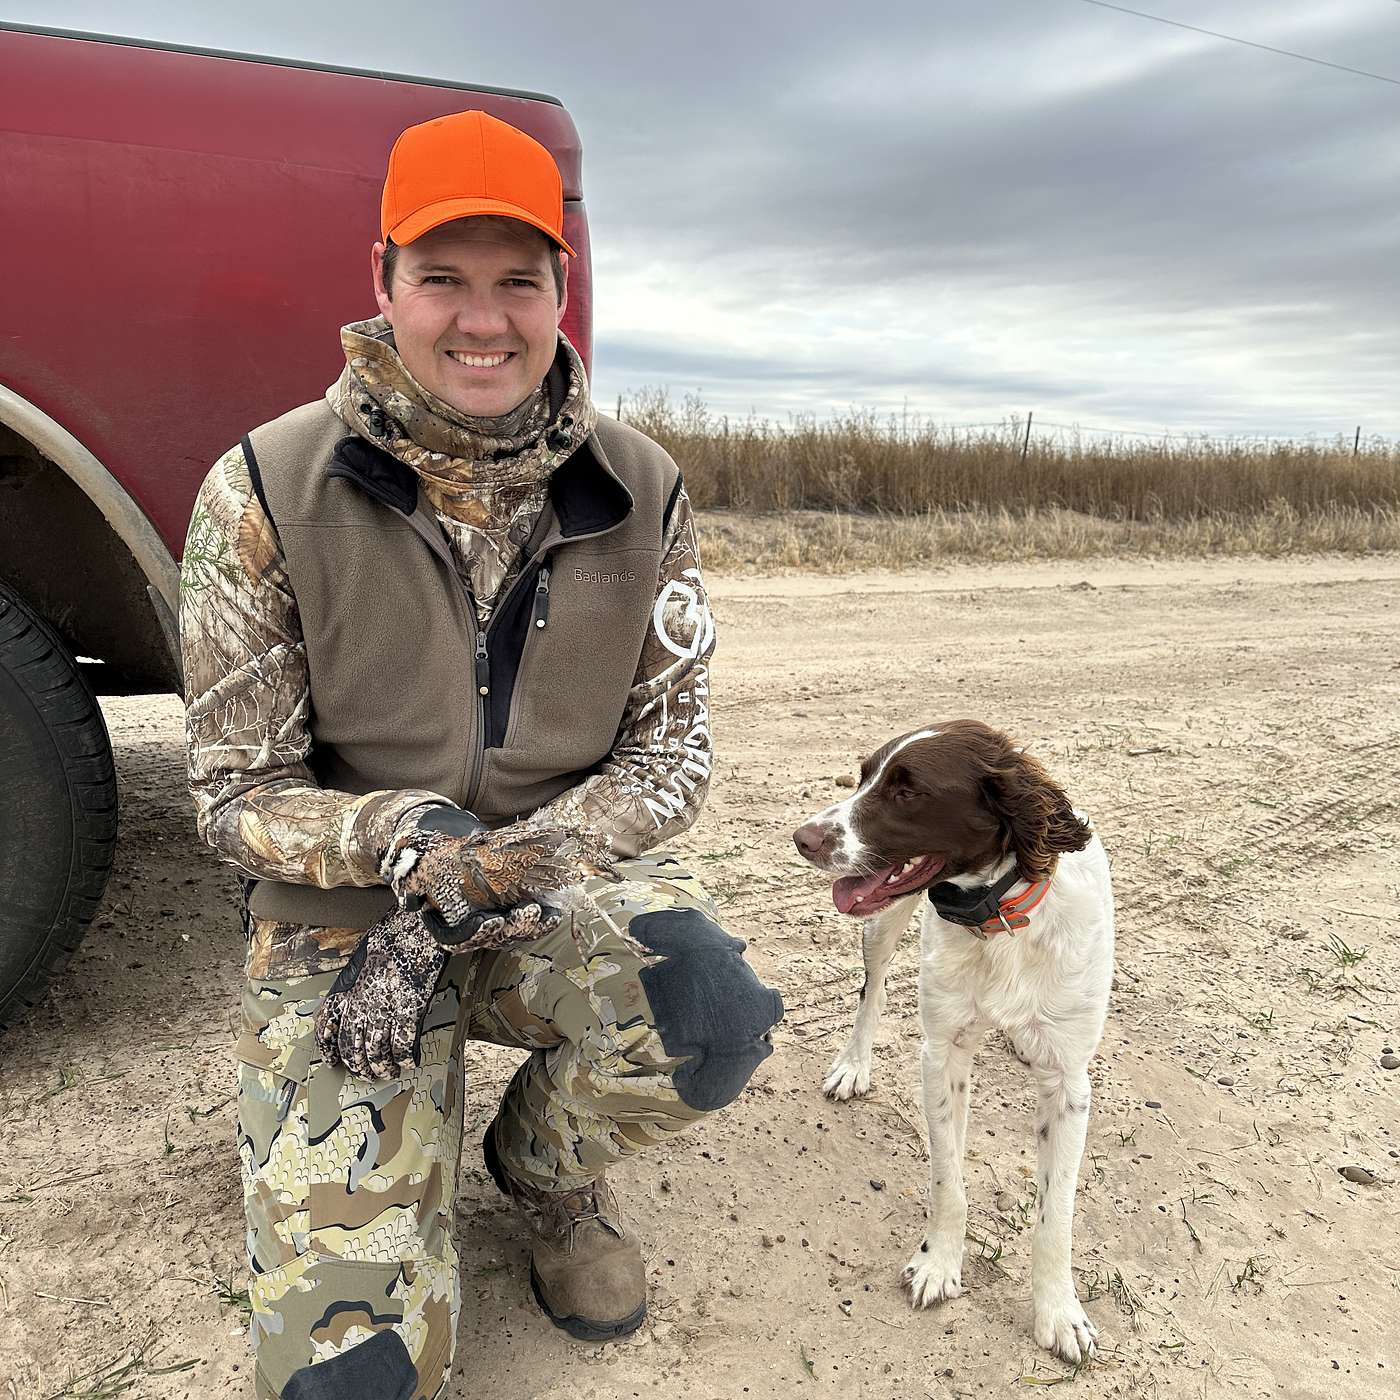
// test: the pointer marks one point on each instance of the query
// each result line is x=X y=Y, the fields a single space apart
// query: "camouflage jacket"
x=248 y=697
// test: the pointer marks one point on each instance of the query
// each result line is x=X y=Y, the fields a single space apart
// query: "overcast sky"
x=976 y=206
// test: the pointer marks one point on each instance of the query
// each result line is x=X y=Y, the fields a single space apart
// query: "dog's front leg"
x=1062 y=1120
x=850 y=1070
x=935 y=1272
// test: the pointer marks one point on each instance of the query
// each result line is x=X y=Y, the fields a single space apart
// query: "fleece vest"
x=407 y=690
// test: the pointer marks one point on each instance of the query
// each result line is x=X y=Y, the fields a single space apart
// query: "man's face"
x=474 y=312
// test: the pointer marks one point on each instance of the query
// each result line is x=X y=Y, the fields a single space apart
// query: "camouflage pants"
x=640 y=1019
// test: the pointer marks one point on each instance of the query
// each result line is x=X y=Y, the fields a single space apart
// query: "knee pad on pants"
x=377 y=1369
x=707 y=1004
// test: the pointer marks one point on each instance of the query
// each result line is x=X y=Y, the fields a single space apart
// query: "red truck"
x=182 y=233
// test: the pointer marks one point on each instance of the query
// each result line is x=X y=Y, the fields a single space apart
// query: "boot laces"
x=560 y=1213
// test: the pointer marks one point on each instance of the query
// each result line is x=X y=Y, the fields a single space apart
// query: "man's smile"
x=476 y=361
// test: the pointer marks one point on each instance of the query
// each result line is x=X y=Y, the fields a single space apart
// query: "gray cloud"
x=983 y=206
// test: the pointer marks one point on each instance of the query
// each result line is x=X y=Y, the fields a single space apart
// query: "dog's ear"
x=1037 y=821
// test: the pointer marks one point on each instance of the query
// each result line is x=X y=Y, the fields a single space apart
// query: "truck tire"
x=58 y=805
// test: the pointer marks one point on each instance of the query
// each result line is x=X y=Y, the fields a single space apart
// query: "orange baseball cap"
x=469 y=163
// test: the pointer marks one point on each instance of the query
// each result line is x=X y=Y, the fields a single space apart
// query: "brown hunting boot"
x=586 y=1267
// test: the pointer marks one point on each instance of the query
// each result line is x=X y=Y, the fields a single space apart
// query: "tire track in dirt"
x=1314 y=827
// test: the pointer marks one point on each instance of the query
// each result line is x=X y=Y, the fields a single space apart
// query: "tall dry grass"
x=860 y=489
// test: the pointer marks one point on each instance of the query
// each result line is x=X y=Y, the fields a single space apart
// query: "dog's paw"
x=847 y=1078
x=934 y=1273
x=1064 y=1328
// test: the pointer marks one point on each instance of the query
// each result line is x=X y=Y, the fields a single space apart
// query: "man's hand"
x=371 y=1017
x=449 y=865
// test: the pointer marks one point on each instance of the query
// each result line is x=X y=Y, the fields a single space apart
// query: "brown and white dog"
x=1015 y=910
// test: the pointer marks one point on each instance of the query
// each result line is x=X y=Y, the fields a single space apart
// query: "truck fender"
x=117 y=505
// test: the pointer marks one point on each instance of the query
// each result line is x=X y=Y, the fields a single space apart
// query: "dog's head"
x=937 y=803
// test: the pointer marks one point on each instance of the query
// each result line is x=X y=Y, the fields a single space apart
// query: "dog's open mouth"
x=864 y=895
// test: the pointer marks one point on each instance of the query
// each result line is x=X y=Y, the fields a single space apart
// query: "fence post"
x=1026 y=445
x=1356 y=445
x=619 y=408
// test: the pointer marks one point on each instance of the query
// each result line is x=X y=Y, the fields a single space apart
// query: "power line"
x=1189 y=434
x=1248 y=43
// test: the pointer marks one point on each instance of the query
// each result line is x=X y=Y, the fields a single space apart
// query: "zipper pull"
x=542 y=598
x=483 y=666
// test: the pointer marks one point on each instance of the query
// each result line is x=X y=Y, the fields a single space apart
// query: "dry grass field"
x=861 y=491
x=1231 y=727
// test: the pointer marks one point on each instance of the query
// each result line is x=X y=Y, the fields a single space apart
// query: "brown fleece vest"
x=396 y=660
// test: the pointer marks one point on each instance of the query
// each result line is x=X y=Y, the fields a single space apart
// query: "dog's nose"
x=810 y=839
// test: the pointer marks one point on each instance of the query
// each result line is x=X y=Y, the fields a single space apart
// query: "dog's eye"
x=904 y=793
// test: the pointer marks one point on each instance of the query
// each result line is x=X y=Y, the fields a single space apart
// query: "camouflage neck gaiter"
x=487 y=478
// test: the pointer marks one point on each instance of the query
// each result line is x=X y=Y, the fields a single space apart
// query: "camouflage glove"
x=371 y=1019
x=372 y=1016
x=446 y=864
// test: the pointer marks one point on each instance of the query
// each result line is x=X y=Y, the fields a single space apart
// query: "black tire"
x=58 y=805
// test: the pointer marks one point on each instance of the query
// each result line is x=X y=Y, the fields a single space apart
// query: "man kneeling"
x=445 y=642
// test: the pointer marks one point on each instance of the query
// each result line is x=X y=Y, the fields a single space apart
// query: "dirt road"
x=1231 y=727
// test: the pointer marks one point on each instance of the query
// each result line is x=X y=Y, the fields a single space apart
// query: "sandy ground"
x=1232 y=728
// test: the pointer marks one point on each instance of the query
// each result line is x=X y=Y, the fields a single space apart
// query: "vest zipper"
x=483 y=669
x=483 y=692
x=542 y=598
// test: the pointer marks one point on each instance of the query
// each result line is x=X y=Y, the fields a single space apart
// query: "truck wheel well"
x=59 y=552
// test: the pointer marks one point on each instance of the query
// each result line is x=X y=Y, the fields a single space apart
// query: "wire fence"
x=903 y=425
x=865 y=460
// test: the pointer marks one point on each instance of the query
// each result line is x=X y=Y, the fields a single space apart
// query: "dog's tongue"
x=851 y=890
x=864 y=895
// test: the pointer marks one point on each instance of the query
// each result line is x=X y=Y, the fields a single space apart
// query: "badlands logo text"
x=593 y=576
